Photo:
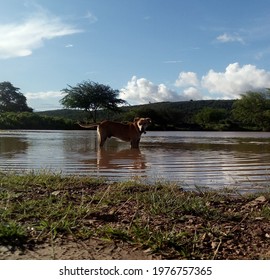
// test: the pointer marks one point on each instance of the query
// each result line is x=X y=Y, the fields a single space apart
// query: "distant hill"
x=215 y=115
x=182 y=115
x=65 y=113
x=190 y=107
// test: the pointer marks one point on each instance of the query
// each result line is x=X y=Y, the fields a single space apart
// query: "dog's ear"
x=136 y=119
x=148 y=119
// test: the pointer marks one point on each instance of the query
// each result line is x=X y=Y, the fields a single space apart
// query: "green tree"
x=211 y=118
x=91 y=97
x=253 y=110
x=11 y=99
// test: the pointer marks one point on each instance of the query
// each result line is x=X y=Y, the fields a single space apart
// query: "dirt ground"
x=93 y=249
x=130 y=222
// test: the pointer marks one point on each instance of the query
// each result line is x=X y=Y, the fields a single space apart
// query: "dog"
x=130 y=132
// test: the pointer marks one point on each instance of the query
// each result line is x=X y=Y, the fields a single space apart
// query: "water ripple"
x=212 y=159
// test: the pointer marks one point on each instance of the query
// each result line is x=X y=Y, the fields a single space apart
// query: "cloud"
x=236 y=80
x=45 y=100
x=90 y=17
x=172 y=61
x=20 y=39
x=192 y=93
x=187 y=79
x=139 y=91
x=43 y=94
x=230 y=84
x=228 y=38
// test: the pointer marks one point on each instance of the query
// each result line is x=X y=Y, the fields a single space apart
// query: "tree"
x=253 y=110
x=91 y=96
x=212 y=118
x=11 y=99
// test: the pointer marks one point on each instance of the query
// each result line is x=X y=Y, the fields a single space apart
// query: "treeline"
x=90 y=102
x=251 y=112
x=28 y=120
x=184 y=115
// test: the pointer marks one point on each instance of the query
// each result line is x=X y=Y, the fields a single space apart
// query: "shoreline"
x=51 y=216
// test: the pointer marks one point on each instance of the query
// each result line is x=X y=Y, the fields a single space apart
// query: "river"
x=206 y=159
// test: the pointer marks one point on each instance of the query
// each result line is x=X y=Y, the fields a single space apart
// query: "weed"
x=42 y=207
x=265 y=212
x=12 y=233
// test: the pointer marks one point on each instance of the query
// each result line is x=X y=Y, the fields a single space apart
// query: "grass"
x=175 y=224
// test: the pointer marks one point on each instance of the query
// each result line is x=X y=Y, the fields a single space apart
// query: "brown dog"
x=130 y=132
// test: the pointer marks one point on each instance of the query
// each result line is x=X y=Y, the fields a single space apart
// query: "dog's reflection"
x=120 y=159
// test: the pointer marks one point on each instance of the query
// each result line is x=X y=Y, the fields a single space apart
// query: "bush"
x=27 y=120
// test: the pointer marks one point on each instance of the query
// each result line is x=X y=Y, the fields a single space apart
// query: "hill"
x=182 y=115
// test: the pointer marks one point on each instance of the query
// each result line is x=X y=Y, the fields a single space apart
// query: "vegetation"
x=89 y=101
x=27 y=120
x=165 y=115
x=91 y=96
x=253 y=110
x=11 y=99
x=160 y=219
x=184 y=115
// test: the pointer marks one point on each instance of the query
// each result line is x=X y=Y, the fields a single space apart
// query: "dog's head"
x=142 y=123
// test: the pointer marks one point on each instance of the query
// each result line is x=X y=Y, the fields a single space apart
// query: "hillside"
x=182 y=115
x=190 y=107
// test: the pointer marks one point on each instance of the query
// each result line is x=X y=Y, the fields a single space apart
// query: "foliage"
x=181 y=115
x=165 y=115
x=43 y=209
x=27 y=120
x=74 y=115
x=210 y=118
x=11 y=99
x=91 y=97
x=253 y=110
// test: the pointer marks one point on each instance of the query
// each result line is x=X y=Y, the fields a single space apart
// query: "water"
x=212 y=159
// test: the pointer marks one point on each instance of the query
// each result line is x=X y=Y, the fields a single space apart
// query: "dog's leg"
x=101 y=137
x=135 y=144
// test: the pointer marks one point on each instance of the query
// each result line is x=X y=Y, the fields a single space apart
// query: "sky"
x=149 y=50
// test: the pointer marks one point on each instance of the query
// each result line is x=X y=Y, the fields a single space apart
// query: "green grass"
x=161 y=217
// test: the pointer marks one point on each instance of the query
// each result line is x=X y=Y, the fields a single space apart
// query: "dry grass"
x=160 y=218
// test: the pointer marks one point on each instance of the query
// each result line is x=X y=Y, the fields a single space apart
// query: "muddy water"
x=212 y=159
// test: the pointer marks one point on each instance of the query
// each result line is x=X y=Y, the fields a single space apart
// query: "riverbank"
x=50 y=216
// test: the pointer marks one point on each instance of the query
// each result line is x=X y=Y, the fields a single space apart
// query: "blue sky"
x=150 y=50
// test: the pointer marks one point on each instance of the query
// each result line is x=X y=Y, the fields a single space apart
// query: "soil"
x=249 y=241
x=204 y=227
x=93 y=249
x=248 y=238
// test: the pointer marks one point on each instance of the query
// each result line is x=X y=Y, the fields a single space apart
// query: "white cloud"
x=236 y=80
x=92 y=18
x=138 y=91
x=20 y=39
x=46 y=100
x=172 y=61
x=229 y=84
x=227 y=38
x=187 y=79
x=43 y=95
x=192 y=93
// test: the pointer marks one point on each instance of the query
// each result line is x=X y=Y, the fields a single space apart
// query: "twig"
x=216 y=251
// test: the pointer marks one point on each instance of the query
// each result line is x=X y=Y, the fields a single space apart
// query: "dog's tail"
x=91 y=125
